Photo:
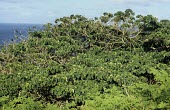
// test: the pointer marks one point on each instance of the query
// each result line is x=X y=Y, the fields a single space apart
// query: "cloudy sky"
x=44 y=11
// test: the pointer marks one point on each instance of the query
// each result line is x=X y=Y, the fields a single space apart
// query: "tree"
x=126 y=26
x=147 y=23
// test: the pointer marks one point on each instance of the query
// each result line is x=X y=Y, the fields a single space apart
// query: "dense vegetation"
x=115 y=62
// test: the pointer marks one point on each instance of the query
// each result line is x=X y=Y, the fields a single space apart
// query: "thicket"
x=115 y=62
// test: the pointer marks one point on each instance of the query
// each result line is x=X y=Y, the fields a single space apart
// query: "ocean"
x=9 y=31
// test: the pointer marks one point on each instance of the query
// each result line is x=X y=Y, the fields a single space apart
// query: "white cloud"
x=162 y=0
x=43 y=11
x=123 y=1
x=139 y=1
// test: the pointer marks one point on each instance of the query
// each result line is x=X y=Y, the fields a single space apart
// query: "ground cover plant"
x=115 y=62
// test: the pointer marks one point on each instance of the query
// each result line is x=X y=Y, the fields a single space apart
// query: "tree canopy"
x=117 y=61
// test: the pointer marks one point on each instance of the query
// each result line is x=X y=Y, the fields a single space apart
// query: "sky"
x=46 y=11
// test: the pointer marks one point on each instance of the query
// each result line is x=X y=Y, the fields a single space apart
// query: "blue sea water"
x=9 y=31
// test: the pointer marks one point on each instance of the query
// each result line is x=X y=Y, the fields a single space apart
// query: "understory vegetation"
x=114 y=62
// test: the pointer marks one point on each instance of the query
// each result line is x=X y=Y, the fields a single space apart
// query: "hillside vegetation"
x=115 y=62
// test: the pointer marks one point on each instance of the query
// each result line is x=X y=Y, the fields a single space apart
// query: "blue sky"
x=44 y=11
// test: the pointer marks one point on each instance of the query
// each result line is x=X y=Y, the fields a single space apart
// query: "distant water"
x=9 y=31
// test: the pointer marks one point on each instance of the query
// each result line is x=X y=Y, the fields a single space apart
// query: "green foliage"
x=23 y=103
x=158 y=41
x=116 y=61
